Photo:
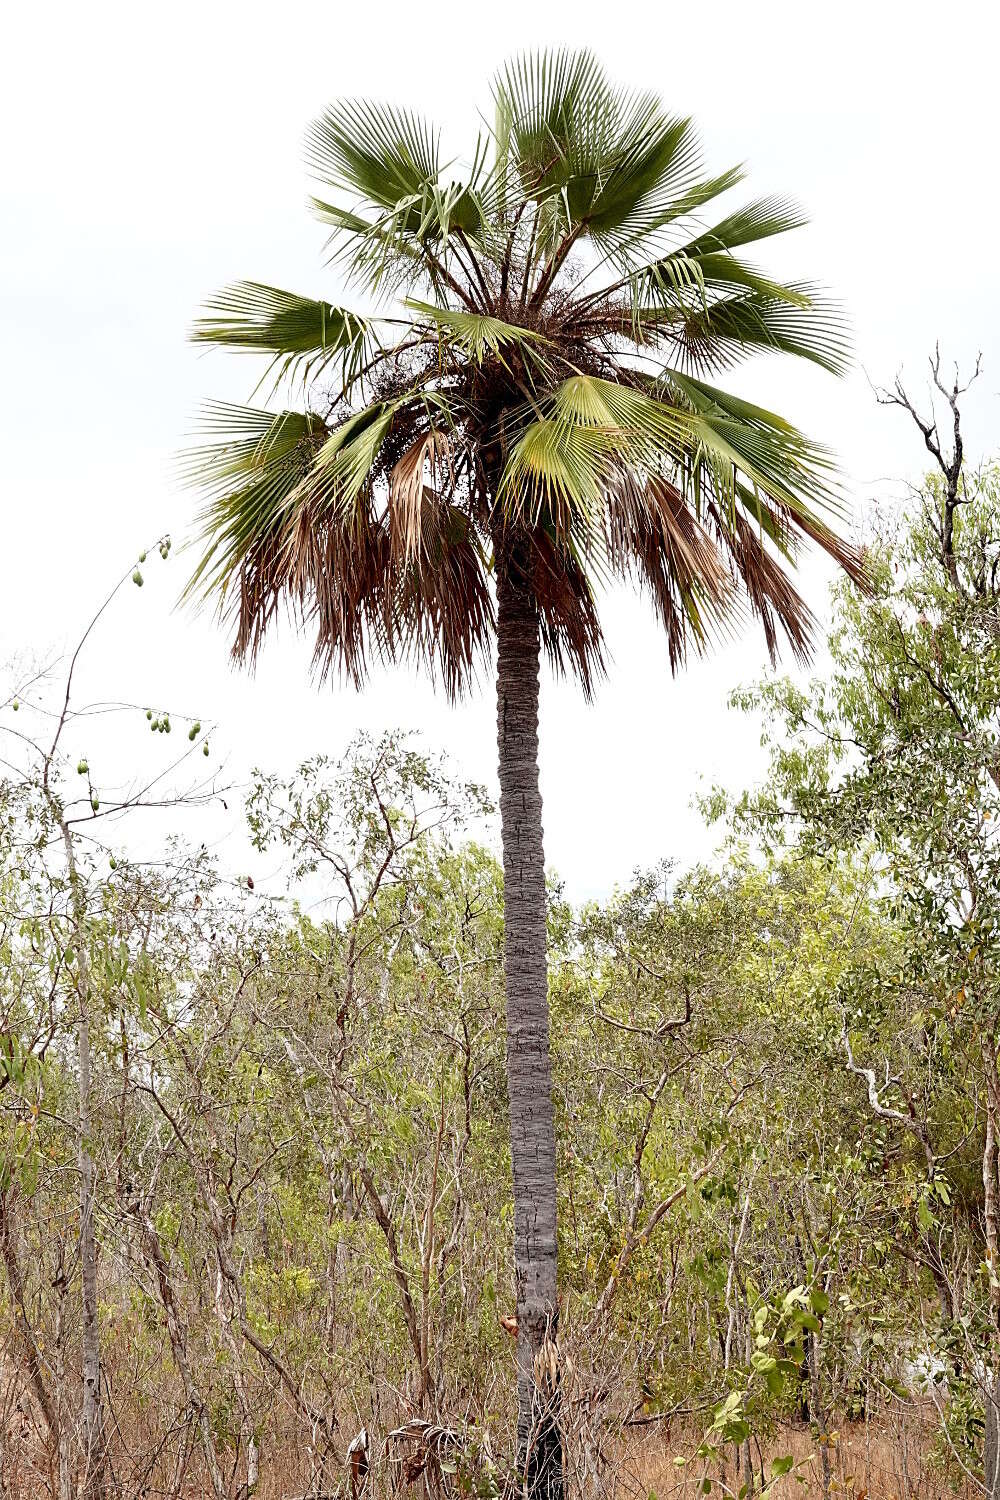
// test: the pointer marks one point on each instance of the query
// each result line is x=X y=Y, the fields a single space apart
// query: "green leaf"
x=300 y=332
x=601 y=160
x=383 y=154
x=477 y=335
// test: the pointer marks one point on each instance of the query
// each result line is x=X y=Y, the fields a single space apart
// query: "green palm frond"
x=389 y=161
x=605 y=162
x=302 y=333
x=344 y=466
x=249 y=469
x=628 y=242
x=592 y=436
x=677 y=280
x=560 y=470
x=542 y=100
x=759 y=220
x=704 y=264
x=800 y=320
x=597 y=438
x=734 y=438
x=374 y=252
x=381 y=154
x=517 y=411
x=478 y=334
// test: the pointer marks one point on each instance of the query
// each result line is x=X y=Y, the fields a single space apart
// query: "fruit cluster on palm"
x=525 y=410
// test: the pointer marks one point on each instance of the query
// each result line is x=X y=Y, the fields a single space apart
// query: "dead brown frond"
x=406 y=490
x=653 y=535
x=568 y=616
x=772 y=596
x=338 y=570
x=528 y=387
x=442 y=611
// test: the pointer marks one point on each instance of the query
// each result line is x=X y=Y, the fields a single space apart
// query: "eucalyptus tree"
x=521 y=410
x=895 y=757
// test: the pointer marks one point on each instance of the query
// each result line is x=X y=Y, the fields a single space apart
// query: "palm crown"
x=538 y=399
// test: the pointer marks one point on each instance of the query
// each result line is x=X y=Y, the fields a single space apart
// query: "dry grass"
x=866 y=1461
x=893 y=1457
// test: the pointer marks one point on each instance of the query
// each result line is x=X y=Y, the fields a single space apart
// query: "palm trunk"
x=529 y=1073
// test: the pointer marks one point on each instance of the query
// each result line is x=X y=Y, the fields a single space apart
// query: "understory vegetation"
x=283 y=1124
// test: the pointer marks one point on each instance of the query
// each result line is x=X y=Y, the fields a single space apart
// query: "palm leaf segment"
x=541 y=395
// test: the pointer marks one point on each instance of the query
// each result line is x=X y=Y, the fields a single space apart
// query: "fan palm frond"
x=382 y=155
x=516 y=412
x=478 y=334
x=301 y=333
x=248 y=469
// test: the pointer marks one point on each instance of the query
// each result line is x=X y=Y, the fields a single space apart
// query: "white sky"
x=153 y=153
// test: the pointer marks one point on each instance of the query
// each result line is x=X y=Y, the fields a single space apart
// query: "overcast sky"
x=153 y=153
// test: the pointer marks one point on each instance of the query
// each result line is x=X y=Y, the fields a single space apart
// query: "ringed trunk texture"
x=529 y=1072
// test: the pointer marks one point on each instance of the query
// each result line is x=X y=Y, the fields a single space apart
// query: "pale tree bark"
x=529 y=1074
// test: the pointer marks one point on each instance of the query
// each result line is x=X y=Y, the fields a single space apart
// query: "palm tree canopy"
x=534 y=379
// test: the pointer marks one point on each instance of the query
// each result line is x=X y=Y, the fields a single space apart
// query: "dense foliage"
x=525 y=391
x=302 y=1159
x=256 y=1207
x=531 y=417
x=775 y=1095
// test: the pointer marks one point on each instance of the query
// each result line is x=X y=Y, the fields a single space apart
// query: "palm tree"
x=524 y=414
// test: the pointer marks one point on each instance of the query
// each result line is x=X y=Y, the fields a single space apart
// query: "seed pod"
x=82 y=768
x=204 y=749
x=16 y=705
x=95 y=803
x=142 y=557
x=149 y=713
x=137 y=579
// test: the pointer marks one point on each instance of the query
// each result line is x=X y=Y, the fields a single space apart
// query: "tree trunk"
x=529 y=1073
x=819 y=1414
x=991 y=1440
x=177 y=1332
x=92 y=1437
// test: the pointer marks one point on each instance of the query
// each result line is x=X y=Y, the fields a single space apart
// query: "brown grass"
x=895 y=1456
x=867 y=1462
